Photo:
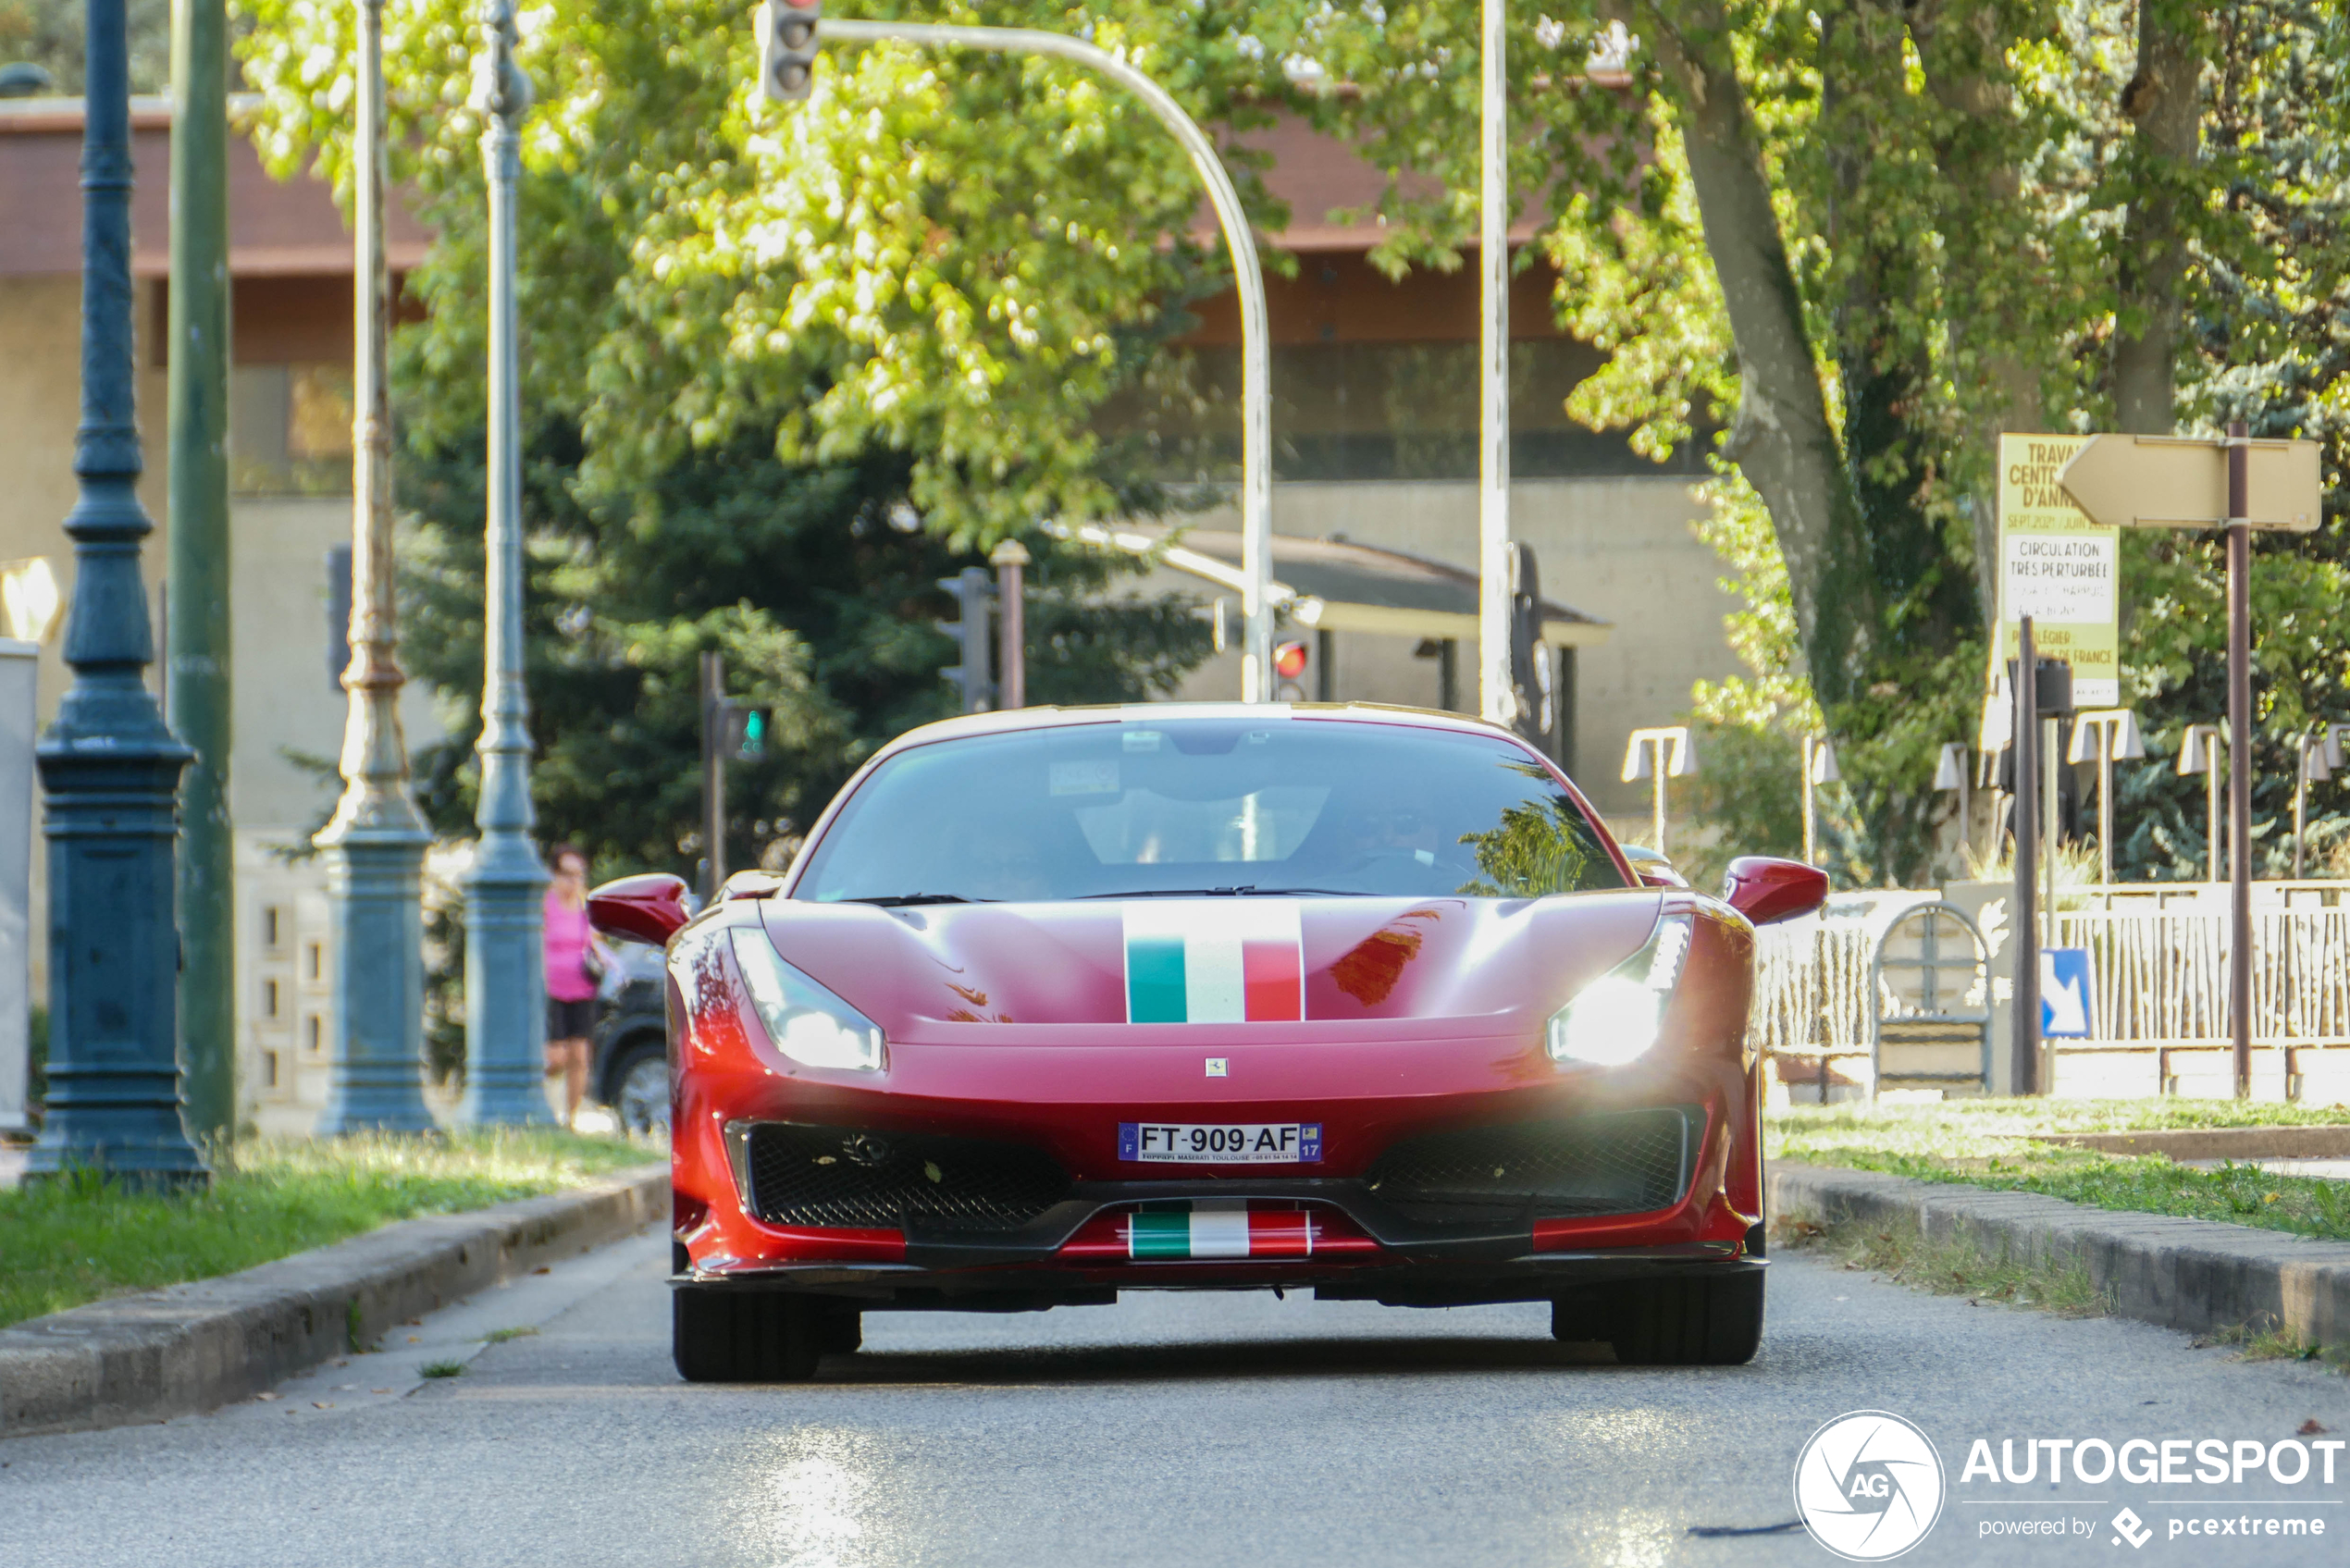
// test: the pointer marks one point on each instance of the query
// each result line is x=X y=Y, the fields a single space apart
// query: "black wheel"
x=723 y=1336
x=1686 y=1322
x=640 y=1090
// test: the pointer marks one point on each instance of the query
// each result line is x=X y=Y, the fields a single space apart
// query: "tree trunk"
x=2163 y=102
x=1961 y=49
x=1782 y=441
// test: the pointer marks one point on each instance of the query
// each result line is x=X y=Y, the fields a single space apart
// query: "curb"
x=195 y=1347
x=2198 y=1275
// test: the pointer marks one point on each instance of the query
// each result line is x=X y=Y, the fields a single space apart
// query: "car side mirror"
x=649 y=907
x=1767 y=890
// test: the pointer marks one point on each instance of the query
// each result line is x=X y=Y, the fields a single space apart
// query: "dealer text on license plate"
x=1280 y=1142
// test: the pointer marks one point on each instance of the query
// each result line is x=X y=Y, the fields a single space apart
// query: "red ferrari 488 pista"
x=1060 y=1002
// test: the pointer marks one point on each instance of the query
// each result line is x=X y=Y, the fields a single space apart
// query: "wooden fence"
x=2159 y=971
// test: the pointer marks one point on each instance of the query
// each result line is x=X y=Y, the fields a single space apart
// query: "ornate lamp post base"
x=375 y=878
x=505 y=986
x=114 y=1097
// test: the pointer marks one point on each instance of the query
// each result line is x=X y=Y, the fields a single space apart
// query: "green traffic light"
x=754 y=734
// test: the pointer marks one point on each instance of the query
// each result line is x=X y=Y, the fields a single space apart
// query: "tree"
x=1857 y=242
x=756 y=341
x=947 y=257
x=815 y=584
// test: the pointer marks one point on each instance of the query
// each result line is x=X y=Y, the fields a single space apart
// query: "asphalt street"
x=1171 y=1428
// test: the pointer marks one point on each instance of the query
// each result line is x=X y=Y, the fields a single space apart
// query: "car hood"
x=1477 y=966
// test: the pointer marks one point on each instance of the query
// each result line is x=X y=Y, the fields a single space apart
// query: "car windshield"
x=1208 y=806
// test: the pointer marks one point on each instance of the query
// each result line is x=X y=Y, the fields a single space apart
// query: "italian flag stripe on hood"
x=1214 y=960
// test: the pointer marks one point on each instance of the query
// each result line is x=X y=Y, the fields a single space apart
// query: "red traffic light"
x=1288 y=661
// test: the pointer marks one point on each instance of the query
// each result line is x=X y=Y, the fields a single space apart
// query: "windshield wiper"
x=899 y=900
x=1245 y=889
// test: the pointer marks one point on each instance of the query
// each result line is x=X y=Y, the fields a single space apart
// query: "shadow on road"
x=1130 y=1364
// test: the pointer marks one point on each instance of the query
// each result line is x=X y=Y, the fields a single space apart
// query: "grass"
x=500 y=1336
x=1949 y=1268
x=441 y=1369
x=63 y=1243
x=1990 y=1144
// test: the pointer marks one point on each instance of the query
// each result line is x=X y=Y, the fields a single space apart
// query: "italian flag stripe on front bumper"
x=1276 y=1233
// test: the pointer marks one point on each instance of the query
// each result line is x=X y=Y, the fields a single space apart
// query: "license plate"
x=1246 y=1142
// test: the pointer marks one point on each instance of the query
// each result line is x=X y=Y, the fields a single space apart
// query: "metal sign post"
x=2024 y=932
x=2238 y=483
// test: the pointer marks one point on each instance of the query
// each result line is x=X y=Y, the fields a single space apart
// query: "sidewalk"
x=2198 y=1275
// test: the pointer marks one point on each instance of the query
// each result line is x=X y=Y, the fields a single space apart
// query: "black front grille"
x=1619 y=1162
x=850 y=1176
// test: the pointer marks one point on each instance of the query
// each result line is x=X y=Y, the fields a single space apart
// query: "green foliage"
x=947 y=257
x=821 y=604
x=80 y=1240
x=48 y=33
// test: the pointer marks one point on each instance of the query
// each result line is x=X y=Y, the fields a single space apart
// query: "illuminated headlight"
x=1616 y=1018
x=807 y=1022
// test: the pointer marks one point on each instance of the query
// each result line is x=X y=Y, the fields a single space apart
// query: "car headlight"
x=1616 y=1018
x=807 y=1022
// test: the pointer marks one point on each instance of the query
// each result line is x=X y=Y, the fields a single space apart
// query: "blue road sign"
x=2064 y=992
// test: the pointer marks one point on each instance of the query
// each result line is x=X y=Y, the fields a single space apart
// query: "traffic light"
x=974 y=598
x=787 y=49
x=745 y=731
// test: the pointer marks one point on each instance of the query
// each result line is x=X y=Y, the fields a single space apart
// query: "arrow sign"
x=2181 y=482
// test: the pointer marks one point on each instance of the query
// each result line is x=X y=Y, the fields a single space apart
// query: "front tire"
x=1682 y=1322
x=732 y=1336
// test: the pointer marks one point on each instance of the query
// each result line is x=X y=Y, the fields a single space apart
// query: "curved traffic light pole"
x=1256 y=396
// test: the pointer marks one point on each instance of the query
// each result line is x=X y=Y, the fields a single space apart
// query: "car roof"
x=1015 y=719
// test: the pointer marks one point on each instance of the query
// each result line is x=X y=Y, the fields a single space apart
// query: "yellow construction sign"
x=2060 y=566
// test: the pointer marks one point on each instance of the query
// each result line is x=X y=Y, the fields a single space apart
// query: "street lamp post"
x=505 y=964
x=109 y=768
x=1257 y=378
x=2315 y=767
x=1497 y=699
x=375 y=840
x=1011 y=562
x=1951 y=771
x=1819 y=768
x=2104 y=735
x=2199 y=753
x=1656 y=755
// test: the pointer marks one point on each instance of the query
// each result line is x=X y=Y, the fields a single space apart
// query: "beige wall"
x=283 y=700
x=40 y=405
x=1624 y=551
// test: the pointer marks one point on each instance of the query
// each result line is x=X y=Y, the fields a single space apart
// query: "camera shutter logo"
x=1869 y=1486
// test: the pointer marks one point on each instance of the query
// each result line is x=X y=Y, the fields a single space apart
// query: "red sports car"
x=1061 y=1002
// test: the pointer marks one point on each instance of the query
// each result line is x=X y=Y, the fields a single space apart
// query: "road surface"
x=1168 y=1429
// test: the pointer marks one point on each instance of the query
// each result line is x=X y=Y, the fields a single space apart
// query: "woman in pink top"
x=570 y=984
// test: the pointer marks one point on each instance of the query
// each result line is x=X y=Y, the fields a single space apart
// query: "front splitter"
x=1402 y=1281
